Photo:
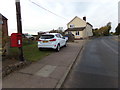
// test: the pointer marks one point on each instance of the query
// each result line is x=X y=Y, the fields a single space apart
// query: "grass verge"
x=31 y=52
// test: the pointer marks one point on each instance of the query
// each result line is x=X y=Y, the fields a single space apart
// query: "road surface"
x=96 y=66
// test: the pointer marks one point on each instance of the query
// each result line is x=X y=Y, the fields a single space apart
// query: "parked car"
x=26 y=35
x=52 y=40
x=66 y=37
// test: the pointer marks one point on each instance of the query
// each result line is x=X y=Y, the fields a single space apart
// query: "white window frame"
x=77 y=33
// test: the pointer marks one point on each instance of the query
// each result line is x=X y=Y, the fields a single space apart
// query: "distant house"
x=4 y=25
x=4 y=32
x=79 y=28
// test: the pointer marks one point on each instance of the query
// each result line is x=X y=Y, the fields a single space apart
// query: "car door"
x=62 y=40
x=59 y=39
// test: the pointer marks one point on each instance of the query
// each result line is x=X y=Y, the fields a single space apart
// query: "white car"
x=52 y=40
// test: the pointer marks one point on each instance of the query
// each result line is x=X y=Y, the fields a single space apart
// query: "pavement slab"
x=31 y=69
x=15 y=80
x=58 y=72
x=45 y=71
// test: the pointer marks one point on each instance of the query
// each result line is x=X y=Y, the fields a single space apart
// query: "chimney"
x=84 y=18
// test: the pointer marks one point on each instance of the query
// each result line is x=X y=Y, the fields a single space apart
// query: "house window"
x=72 y=25
x=1 y=22
x=77 y=33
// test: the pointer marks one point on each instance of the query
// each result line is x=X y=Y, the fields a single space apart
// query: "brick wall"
x=4 y=33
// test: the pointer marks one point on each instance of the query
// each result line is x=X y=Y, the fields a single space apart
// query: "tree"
x=108 y=28
x=117 y=30
x=108 y=24
x=105 y=30
x=57 y=31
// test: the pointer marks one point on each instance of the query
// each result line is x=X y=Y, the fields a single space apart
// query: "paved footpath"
x=49 y=72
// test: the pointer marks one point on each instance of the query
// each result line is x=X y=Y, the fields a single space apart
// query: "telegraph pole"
x=19 y=26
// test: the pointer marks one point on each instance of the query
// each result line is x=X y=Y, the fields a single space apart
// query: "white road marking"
x=110 y=47
x=46 y=71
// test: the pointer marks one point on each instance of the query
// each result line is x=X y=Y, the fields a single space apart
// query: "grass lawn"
x=31 y=52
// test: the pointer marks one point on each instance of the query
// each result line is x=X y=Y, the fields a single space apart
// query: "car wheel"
x=58 y=48
x=65 y=45
x=40 y=49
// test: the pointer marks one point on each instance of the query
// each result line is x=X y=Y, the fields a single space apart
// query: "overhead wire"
x=47 y=10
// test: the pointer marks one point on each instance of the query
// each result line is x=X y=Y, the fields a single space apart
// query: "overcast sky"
x=35 y=19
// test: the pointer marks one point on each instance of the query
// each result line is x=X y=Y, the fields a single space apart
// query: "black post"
x=19 y=26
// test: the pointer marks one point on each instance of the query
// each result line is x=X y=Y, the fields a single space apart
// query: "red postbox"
x=16 y=40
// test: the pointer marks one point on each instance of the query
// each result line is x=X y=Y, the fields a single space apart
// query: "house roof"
x=89 y=24
x=74 y=18
x=75 y=29
x=3 y=17
x=81 y=19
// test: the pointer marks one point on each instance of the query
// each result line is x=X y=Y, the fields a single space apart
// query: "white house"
x=79 y=28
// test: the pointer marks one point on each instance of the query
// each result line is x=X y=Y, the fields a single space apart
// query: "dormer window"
x=72 y=25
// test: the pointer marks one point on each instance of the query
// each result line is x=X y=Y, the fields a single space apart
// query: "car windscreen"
x=47 y=36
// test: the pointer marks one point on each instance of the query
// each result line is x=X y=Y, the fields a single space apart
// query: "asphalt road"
x=96 y=66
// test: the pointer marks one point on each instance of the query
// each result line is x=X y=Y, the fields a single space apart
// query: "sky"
x=35 y=19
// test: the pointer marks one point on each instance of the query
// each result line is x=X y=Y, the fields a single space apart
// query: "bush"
x=27 y=41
